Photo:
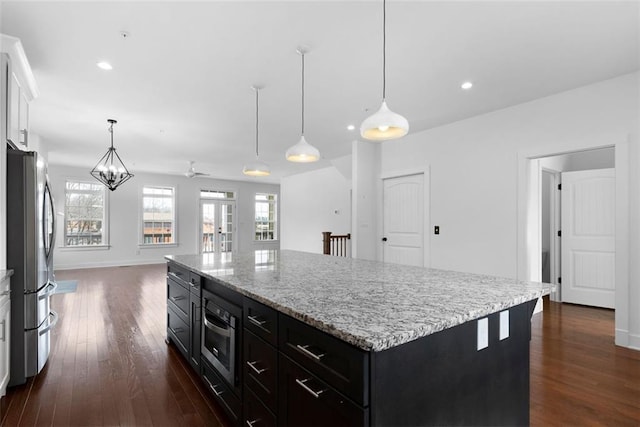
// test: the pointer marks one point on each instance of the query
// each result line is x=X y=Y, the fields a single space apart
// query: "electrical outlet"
x=436 y=229
x=483 y=333
x=504 y=325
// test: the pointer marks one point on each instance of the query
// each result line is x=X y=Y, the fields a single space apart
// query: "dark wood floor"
x=110 y=365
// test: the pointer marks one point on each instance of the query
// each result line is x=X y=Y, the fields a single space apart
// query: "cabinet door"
x=5 y=328
x=23 y=120
x=195 y=330
x=306 y=400
x=13 y=130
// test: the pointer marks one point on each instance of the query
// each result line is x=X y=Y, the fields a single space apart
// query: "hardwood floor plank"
x=110 y=364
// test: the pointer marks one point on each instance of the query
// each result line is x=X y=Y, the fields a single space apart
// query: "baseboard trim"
x=634 y=341
x=107 y=264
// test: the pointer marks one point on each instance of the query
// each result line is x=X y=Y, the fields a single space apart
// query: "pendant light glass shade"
x=384 y=124
x=302 y=152
x=110 y=170
x=256 y=168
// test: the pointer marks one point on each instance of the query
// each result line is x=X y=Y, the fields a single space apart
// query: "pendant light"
x=256 y=168
x=384 y=124
x=302 y=152
x=110 y=170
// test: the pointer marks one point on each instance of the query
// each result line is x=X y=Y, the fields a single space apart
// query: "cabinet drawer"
x=261 y=320
x=306 y=400
x=222 y=393
x=178 y=331
x=255 y=413
x=178 y=295
x=179 y=274
x=342 y=365
x=261 y=369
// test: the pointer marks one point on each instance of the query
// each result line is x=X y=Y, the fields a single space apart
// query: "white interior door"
x=403 y=219
x=588 y=237
x=217 y=226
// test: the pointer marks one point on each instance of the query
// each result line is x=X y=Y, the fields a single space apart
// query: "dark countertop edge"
x=360 y=342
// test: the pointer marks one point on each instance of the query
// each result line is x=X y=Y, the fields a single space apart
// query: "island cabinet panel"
x=178 y=330
x=338 y=363
x=178 y=295
x=222 y=393
x=261 y=369
x=442 y=379
x=256 y=414
x=195 y=316
x=260 y=364
x=261 y=320
x=306 y=400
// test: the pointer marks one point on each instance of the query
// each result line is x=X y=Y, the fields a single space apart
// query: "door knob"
x=384 y=239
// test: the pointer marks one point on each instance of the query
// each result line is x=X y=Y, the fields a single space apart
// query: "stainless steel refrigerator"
x=30 y=244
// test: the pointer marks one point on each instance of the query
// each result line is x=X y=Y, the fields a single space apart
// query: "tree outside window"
x=84 y=216
x=266 y=220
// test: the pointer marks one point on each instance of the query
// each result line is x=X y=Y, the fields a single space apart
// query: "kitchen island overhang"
x=419 y=330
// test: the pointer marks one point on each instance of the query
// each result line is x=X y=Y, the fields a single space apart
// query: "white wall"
x=124 y=211
x=367 y=199
x=309 y=202
x=474 y=176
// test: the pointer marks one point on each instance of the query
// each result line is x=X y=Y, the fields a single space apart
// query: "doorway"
x=217 y=225
x=528 y=216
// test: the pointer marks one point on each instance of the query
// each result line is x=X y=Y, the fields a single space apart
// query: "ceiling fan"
x=191 y=173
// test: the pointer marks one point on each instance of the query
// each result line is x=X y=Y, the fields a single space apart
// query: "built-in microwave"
x=220 y=329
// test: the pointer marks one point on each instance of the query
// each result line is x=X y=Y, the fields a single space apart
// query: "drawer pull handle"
x=175 y=299
x=176 y=330
x=252 y=365
x=305 y=349
x=302 y=383
x=176 y=275
x=252 y=423
x=256 y=321
x=212 y=387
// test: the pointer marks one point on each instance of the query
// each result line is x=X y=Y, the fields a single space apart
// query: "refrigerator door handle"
x=53 y=319
x=48 y=236
x=51 y=289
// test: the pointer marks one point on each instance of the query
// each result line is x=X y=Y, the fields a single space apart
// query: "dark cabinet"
x=256 y=414
x=307 y=400
x=222 y=392
x=184 y=312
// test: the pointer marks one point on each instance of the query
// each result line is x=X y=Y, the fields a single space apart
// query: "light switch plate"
x=483 y=333
x=504 y=324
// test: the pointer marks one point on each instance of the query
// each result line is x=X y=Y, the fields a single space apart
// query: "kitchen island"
x=323 y=340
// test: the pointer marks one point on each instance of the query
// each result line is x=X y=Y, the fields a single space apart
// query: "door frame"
x=426 y=210
x=554 y=225
x=218 y=203
x=528 y=244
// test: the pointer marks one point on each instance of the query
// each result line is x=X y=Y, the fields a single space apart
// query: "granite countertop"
x=372 y=305
x=5 y=274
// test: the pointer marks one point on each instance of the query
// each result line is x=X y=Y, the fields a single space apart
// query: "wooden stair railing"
x=335 y=244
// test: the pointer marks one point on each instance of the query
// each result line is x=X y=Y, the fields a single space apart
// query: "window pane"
x=157 y=215
x=265 y=216
x=84 y=213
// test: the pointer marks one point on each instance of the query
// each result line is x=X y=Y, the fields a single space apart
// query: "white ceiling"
x=180 y=87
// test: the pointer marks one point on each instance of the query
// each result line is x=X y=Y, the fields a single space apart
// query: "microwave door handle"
x=225 y=332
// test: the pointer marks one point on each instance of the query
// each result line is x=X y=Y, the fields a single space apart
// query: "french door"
x=217 y=226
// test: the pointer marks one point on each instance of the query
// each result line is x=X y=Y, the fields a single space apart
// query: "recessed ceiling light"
x=104 y=65
x=466 y=85
x=351 y=127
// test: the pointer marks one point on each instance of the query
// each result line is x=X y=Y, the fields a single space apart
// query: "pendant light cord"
x=257 y=155
x=384 y=49
x=111 y=132
x=302 y=109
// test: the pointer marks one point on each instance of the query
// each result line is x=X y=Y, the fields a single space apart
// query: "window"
x=266 y=223
x=158 y=216
x=214 y=194
x=84 y=214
